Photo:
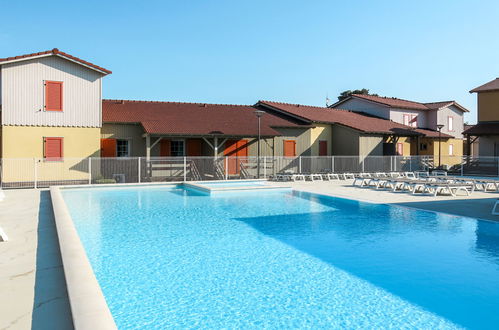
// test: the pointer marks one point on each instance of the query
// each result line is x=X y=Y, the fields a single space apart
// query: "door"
x=164 y=148
x=289 y=148
x=400 y=149
x=194 y=147
x=322 y=148
x=108 y=147
x=237 y=151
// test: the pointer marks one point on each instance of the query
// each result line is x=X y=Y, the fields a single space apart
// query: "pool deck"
x=32 y=284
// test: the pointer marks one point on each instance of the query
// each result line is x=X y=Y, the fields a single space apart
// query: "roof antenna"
x=327 y=100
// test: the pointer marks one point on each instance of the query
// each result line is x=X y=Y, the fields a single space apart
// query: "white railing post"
x=226 y=170
x=264 y=168
x=185 y=169
x=391 y=163
x=139 y=169
x=35 y=173
x=332 y=164
x=462 y=166
x=299 y=164
x=363 y=164
x=89 y=170
x=410 y=164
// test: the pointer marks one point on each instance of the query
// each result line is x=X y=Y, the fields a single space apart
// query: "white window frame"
x=451 y=149
x=450 y=123
x=183 y=147
x=129 y=147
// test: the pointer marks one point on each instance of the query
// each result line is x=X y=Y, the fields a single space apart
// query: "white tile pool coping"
x=88 y=305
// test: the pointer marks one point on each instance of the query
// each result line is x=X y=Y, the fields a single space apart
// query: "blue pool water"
x=175 y=258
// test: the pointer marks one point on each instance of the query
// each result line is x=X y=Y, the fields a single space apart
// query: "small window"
x=52 y=148
x=53 y=95
x=177 y=148
x=411 y=120
x=122 y=148
x=450 y=123
x=423 y=146
x=414 y=121
x=406 y=120
x=451 y=150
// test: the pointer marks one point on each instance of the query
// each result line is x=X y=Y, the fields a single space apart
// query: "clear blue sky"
x=288 y=51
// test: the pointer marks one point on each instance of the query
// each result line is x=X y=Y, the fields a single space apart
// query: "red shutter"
x=108 y=147
x=53 y=148
x=400 y=149
x=53 y=95
x=165 y=148
x=322 y=148
x=289 y=148
x=194 y=147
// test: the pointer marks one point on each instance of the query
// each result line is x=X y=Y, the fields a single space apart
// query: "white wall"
x=397 y=115
x=23 y=93
x=367 y=107
x=442 y=116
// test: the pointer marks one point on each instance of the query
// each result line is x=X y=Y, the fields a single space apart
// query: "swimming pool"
x=167 y=257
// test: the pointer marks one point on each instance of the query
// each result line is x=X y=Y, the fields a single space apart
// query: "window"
x=122 y=148
x=177 y=148
x=451 y=150
x=450 y=124
x=411 y=120
x=52 y=148
x=53 y=95
x=423 y=146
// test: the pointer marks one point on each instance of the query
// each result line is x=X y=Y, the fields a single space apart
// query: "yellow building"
x=51 y=109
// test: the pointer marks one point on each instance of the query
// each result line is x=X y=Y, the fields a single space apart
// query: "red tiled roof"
x=175 y=118
x=394 y=102
x=57 y=52
x=483 y=129
x=490 y=86
x=358 y=121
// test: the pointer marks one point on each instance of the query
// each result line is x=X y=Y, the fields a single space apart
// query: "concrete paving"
x=478 y=205
x=32 y=285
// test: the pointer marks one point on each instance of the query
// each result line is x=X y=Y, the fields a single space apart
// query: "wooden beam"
x=156 y=142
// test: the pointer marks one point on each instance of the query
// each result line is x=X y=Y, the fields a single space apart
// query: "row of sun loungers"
x=339 y=176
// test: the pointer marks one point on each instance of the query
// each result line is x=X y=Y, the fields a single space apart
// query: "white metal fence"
x=37 y=173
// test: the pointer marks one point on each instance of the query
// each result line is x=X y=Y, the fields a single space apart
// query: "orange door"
x=164 y=148
x=322 y=148
x=108 y=147
x=237 y=151
x=194 y=147
x=289 y=148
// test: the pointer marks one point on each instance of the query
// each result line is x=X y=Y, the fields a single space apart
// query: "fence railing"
x=37 y=173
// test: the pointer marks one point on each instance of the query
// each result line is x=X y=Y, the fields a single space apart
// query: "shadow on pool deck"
x=51 y=309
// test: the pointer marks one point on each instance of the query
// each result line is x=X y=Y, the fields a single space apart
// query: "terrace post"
x=185 y=169
x=89 y=170
x=138 y=169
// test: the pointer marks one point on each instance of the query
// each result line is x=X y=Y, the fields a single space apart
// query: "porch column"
x=148 y=147
x=215 y=146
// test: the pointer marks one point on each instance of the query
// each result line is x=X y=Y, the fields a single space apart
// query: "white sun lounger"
x=3 y=236
x=450 y=188
x=495 y=208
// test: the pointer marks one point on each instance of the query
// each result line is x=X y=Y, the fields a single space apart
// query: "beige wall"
x=322 y=132
x=22 y=145
x=131 y=132
x=489 y=146
x=23 y=93
x=300 y=135
x=345 y=141
x=370 y=145
x=488 y=106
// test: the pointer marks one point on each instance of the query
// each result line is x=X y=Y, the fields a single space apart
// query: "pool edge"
x=89 y=308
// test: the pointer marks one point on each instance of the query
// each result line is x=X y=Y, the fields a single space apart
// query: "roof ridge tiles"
x=175 y=102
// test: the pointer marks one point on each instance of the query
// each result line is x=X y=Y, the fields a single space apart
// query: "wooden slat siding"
x=53 y=148
x=53 y=95
x=322 y=148
x=165 y=148
x=289 y=148
x=194 y=147
x=108 y=147
x=23 y=94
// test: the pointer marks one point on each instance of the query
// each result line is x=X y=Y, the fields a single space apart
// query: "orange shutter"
x=322 y=148
x=53 y=95
x=108 y=147
x=242 y=148
x=194 y=147
x=289 y=148
x=230 y=148
x=164 y=150
x=400 y=149
x=53 y=148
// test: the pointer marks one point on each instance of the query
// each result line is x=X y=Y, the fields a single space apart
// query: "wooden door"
x=237 y=151
x=194 y=147
x=322 y=148
x=164 y=148
x=108 y=147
